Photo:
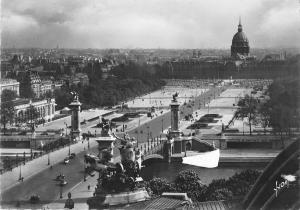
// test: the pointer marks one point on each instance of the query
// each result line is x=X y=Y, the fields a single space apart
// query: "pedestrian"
x=89 y=187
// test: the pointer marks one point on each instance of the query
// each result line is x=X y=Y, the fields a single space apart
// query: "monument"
x=174 y=133
x=118 y=183
x=75 y=123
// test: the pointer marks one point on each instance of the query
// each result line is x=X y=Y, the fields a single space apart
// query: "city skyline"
x=148 y=24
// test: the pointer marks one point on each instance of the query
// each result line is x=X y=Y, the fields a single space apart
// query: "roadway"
x=43 y=183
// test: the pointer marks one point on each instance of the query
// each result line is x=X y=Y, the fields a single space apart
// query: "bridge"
x=163 y=149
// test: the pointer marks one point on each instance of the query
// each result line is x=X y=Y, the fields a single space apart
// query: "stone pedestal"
x=168 y=149
x=105 y=144
x=178 y=145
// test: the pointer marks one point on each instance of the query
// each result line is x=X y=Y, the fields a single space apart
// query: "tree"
x=240 y=183
x=264 y=115
x=189 y=182
x=33 y=115
x=247 y=109
x=7 y=107
x=26 y=90
x=220 y=194
x=159 y=185
x=284 y=106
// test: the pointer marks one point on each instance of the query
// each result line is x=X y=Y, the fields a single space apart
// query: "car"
x=92 y=173
x=44 y=133
x=60 y=177
x=63 y=183
x=34 y=199
x=66 y=160
x=22 y=133
x=72 y=155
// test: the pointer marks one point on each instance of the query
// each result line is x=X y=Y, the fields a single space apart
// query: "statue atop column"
x=175 y=97
x=106 y=127
x=75 y=96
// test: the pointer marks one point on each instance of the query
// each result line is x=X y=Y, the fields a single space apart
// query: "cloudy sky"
x=148 y=23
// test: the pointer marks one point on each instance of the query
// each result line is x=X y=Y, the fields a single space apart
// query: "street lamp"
x=48 y=154
x=148 y=133
x=20 y=175
x=69 y=146
x=66 y=127
x=84 y=171
x=208 y=105
x=61 y=186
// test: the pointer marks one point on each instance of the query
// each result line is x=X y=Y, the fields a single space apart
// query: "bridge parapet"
x=151 y=148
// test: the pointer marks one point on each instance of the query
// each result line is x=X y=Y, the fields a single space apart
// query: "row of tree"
x=127 y=81
x=280 y=111
x=189 y=182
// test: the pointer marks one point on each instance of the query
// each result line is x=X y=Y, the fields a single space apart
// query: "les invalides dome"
x=240 y=43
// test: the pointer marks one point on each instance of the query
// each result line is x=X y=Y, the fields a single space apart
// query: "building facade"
x=45 y=109
x=9 y=84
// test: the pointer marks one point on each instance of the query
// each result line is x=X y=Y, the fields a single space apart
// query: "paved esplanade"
x=42 y=183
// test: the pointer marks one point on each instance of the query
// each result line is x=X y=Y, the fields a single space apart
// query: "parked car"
x=72 y=155
x=23 y=133
x=63 y=182
x=60 y=177
x=44 y=133
x=34 y=199
x=66 y=160
x=92 y=173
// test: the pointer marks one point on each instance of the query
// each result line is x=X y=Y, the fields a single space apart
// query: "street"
x=43 y=183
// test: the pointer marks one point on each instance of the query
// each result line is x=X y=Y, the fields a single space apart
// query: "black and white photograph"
x=150 y=104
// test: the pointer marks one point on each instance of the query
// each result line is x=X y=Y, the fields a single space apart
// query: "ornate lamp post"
x=66 y=128
x=48 y=154
x=148 y=134
x=60 y=191
x=84 y=170
x=20 y=175
x=70 y=146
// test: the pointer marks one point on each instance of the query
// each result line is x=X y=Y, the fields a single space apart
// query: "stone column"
x=174 y=132
x=75 y=120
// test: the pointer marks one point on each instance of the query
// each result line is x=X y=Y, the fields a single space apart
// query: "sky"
x=148 y=23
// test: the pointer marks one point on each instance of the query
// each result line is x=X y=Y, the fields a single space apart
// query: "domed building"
x=240 y=44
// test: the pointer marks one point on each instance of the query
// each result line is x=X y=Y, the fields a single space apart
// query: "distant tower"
x=240 y=44
x=75 y=123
